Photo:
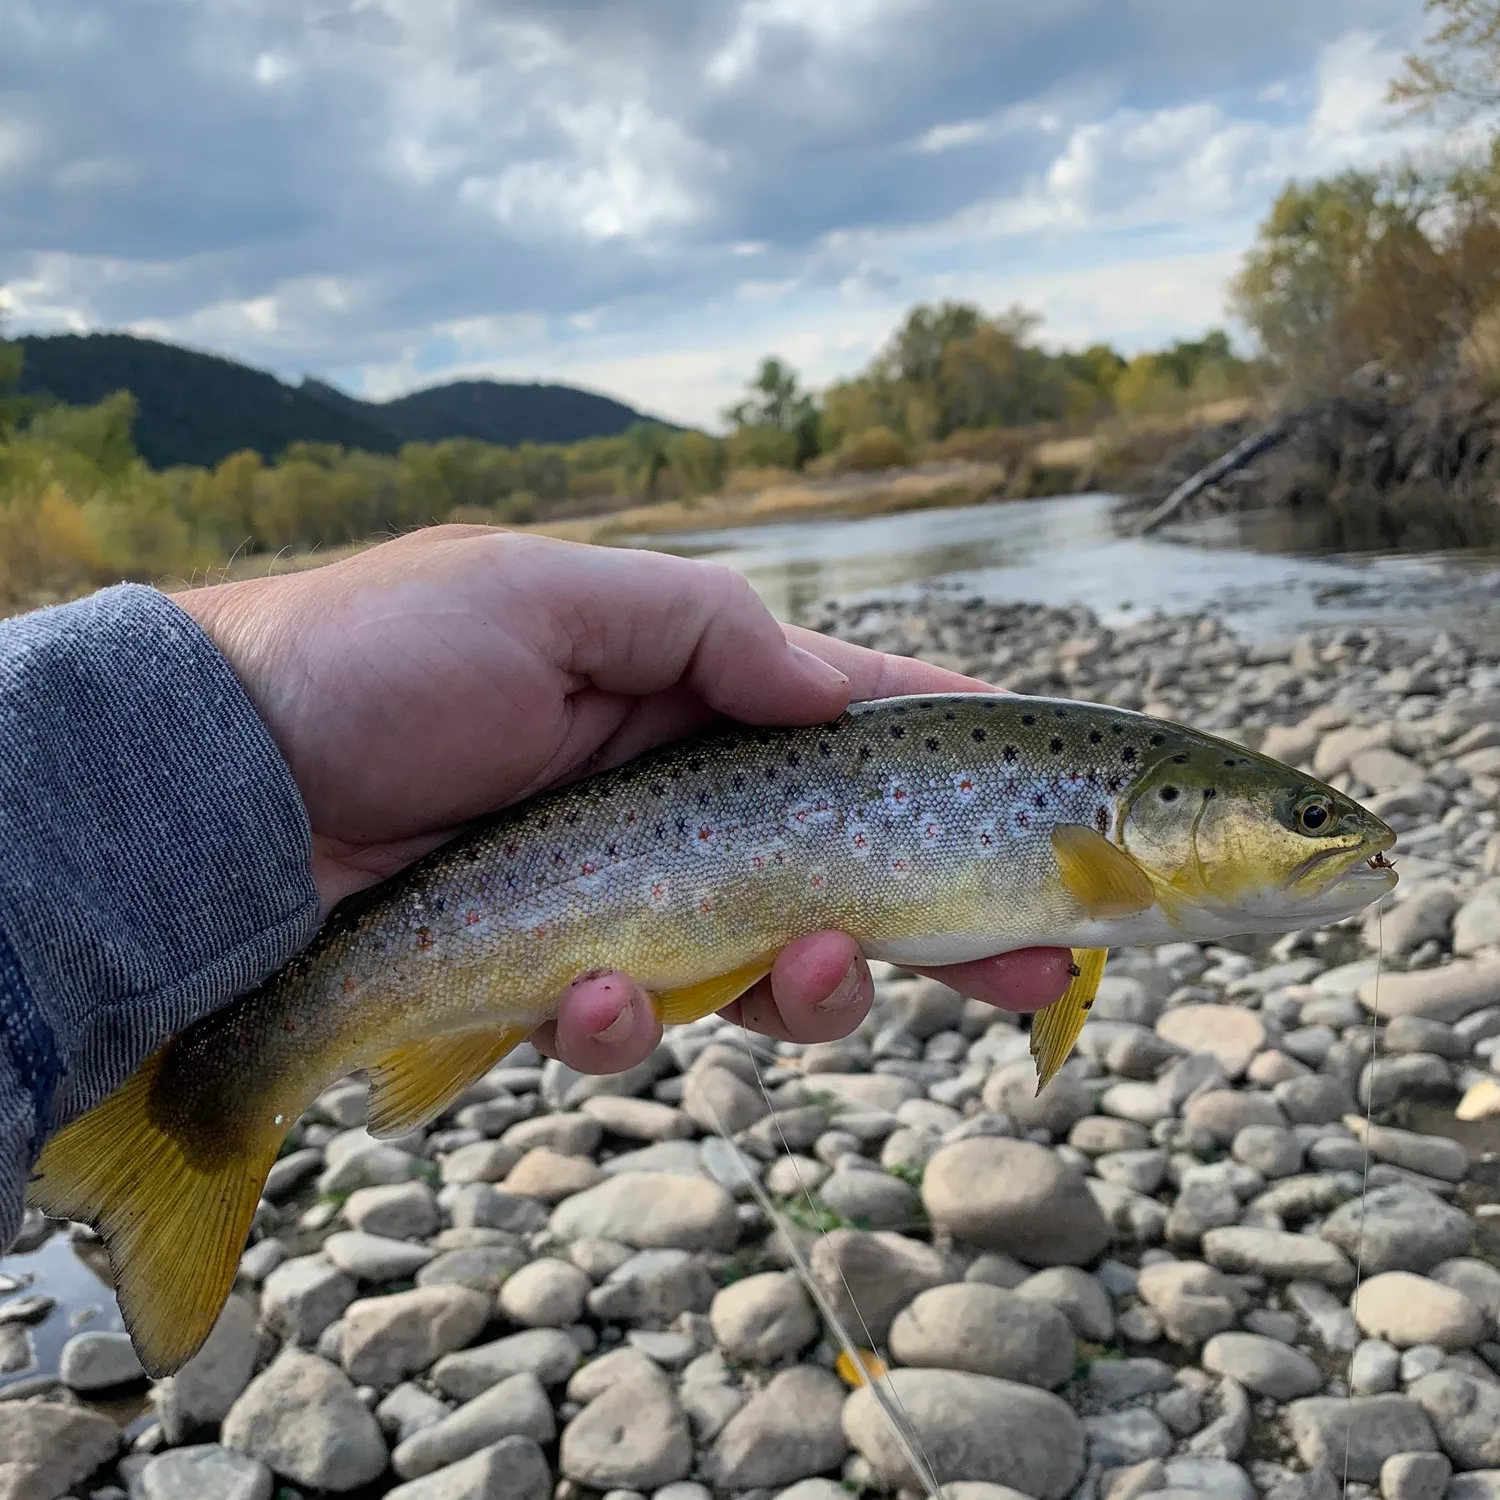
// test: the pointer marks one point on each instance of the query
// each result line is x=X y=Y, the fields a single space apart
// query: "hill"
x=198 y=408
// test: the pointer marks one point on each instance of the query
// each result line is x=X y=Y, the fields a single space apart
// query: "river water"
x=1267 y=577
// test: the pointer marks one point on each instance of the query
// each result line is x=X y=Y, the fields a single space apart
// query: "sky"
x=645 y=197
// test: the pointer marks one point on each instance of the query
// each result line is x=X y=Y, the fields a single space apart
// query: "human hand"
x=422 y=683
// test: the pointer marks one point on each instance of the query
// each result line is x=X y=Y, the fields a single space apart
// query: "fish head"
x=1250 y=842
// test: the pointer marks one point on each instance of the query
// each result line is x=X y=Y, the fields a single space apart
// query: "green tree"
x=12 y=404
x=774 y=401
x=650 y=456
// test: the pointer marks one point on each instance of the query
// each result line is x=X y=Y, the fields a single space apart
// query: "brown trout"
x=931 y=829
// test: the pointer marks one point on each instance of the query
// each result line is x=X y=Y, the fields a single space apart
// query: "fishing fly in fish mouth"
x=933 y=830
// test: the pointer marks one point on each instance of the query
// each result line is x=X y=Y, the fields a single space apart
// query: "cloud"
x=647 y=195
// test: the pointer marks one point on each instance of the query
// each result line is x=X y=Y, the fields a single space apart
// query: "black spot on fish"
x=1057 y=746
x=979 y=736
x=924 y=704
x=1158 y=739
x=1060 y=713
x=1113 y=783
x=950 y=716
x=739 y=783
x=1168 y=794
x=1009 y=754
x=1095 y=738
x=1040 y=801
x=824 y=748
x=1209 y=793
x=1101 y=819
x=864 y=752
x=1179 y=760
x=658 y=789
x=1229 y=760
x=570 y=818
x=901 y=708
x=702 y=799
x=696 y=764
x=1128 y=754
x=1117 y=729
x=793 y=759
x=934 y=745
x=1028 y=719
x=897 y=732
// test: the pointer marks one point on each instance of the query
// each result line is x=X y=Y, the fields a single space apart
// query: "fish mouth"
x=1352 y=877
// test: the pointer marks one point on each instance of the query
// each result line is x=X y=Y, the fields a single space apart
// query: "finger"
x=636 y=623
x=1029 y=979
x=877 y=674
x=818 y=990
x=604 y=1024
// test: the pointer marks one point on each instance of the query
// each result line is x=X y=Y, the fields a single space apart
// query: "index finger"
x=877 y=674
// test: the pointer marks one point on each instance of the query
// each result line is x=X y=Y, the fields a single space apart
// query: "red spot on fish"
x=587 y=868
x=290 y=1027
x=424 y=939
x=705 y=833
x=350 y=984
x=540 y=930
x=470 y=917
x=705 y=905
x=512 y=850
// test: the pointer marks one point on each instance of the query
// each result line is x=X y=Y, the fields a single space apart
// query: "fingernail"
x=844 y=993
x=619 y=1029
x=816 y=668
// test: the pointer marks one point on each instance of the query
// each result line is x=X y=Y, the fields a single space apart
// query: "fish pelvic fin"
x=1103 y=879
x=414 y=1083
x=694 y=1001
x=1055 y=1030
x=173 y=1226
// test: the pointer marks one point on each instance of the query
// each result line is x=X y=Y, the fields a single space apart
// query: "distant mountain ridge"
x=199 y=408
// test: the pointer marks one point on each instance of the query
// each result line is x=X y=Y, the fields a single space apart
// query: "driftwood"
x=1237 y=457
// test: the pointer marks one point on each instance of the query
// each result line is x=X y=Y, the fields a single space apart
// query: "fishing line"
x=880 y=1387
x=1364 y=1191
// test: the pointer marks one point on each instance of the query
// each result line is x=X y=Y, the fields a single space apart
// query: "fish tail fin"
x=174 y=1227
x=1055 y=1030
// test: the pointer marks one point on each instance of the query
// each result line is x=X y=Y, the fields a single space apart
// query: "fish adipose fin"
x=412 y=1084
x=173 y=1221
x=1102 y=878
x=1055 y=1030
x=694 y=1001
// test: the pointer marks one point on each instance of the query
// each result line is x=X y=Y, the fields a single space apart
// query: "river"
x=1267 y=576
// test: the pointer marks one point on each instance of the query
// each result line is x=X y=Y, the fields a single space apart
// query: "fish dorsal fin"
x=174 y=1225
x=412 y=1084
x=1055 y=1030
x=1103 y=879
x=694 y=1001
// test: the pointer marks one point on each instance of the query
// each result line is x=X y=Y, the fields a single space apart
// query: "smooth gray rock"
x=633 y=1435
x=1077 y=1295
x=302 y=1418
x=650 y=1287
x=1415 y=1476
x=1406 y=1309
x=97 y=1361
x=302 y=1296
x=1263 y=1365
x=201 y=1393
x=547 y=1353
x=1399 y=1228
x=1465 y=1414
x=47 y=1448
x=1369 y=1428
x=885 y=1270
x=1012 y=1196
x=388 y=1338
x=791 y=1430
x=985 y=1330
x=763 y=1319
x=401 y=1211
x=1118 y=1438
x=204 y=1472
x=973 y=1427
x=1277 y=1254
x=516 y=1407
x=652 y=1210
x=548 y=1293
x=1194 y=1301
x=374 y=1257
x=513 y=1469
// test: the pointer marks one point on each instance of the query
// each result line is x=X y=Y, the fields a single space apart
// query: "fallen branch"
x=1237 y=457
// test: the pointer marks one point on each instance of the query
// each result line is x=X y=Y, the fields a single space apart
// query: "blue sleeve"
x=155 y=856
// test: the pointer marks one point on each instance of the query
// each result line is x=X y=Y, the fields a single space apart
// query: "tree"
x=774 y=401
x=650 y=455
x=1458 y=71
x=12 y=404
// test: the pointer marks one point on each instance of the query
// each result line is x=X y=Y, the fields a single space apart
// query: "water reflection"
x=1268 y=575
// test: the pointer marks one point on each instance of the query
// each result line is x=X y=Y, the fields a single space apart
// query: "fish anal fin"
x=1055 y=1030
x=412 y=1084
x=694 y=1001
x=1104 y=880
x=174 y=1229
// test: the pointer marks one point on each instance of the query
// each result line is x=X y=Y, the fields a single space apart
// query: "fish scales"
x=931 y=829
x=901 y=824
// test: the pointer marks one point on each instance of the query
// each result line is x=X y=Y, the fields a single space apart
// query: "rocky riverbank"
x=1139 y=1283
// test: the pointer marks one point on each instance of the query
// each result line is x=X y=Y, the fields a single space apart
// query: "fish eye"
x=1313 y=815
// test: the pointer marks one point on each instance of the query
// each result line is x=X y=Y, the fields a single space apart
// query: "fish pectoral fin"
x=174 y=1227
x=694 y=1001
x=1055 y=1030
x=412 y=1084
x=1100 y=876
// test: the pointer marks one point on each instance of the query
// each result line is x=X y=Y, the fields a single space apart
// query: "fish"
x=933 y=829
